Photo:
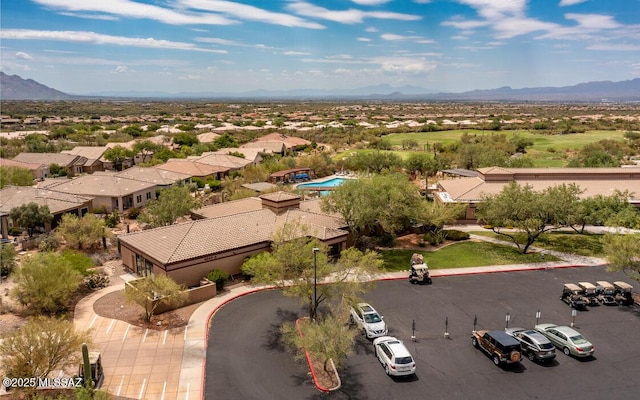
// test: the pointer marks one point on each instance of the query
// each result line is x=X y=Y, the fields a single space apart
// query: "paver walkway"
x=147 y=364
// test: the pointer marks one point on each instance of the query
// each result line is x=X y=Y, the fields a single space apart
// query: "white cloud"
x=350 y=16
x=189 y=77
x=405 y=65
x=224 y=42
x=132 y=9
x=394 y=37
x=121 y=69
x=23 y=56
x=97 y=38
x=594 y=21
x=422 y=1
x=564 y=3
x=370 y=2
x=511 y=27
x=614 y=47
x=464 y=24
x=371 y=29
x=249 y=13
x=91 y=16
x=363 y=39
x=295 y=53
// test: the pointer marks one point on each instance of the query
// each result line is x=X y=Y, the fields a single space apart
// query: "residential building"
x=38 y=170
x=73 y=164
x=58 y=203
x=93 y=160
x=224 y=237
x=491 y=181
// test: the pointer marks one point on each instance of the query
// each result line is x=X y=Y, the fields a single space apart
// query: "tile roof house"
x=38 y=170
x=109 y=190
x=491 y=181
x=73 y=164
x=290 y=142
x=229 y=163
x=193 y=168
x=208 y=137
x=226 y=235
x=58 y=203
x=251 y=154
x=273 y=147
x=93 y=157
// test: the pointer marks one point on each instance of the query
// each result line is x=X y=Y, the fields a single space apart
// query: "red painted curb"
x=313 y=372
x=493 y=272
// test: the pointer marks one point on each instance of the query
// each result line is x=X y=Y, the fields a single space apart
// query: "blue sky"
x=84 y=46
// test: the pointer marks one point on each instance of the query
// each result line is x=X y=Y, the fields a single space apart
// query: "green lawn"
x=459 y=255
x=546 y=151
x=566 y=242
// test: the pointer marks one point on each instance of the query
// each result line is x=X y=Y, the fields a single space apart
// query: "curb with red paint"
x=313 y=372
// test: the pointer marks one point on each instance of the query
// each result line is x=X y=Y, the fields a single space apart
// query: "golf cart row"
x=584 y=294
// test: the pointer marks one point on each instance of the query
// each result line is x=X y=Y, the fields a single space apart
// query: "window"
x=144 y=267
x=78 y=169
x=148 y=195
x=139 y=198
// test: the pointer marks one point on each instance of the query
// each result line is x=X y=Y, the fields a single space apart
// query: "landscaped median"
x=325 y=381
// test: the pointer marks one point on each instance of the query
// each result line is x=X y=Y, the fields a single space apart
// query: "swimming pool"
x=331 y=183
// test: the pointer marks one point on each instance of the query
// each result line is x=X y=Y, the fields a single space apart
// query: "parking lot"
x=245 y=358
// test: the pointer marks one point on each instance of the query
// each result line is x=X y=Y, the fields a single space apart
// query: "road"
x=245 y=358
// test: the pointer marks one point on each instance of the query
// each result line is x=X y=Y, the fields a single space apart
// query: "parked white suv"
x=368 y=319
x=394 y=356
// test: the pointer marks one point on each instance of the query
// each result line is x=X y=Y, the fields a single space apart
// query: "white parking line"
x=125 y=332
x=165 y=337
x=164 y=387
x=95 y=317
x=144 y=382
x=120 y=387
x=111 y=325
x=187 y=394
x=145 y=335
x=185 y=332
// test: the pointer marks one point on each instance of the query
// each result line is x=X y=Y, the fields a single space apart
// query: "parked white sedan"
x=394 y=356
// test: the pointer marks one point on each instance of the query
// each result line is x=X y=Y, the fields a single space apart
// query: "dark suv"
x=502 y=348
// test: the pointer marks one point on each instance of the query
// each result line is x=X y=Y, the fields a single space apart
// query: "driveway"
x=245 y=358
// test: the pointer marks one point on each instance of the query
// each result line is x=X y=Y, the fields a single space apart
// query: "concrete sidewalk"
x=147 y=364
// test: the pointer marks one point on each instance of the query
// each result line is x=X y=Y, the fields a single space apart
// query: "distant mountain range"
x=13 y=87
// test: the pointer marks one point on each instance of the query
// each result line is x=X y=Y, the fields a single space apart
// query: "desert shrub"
x=387 y=240
x=112 y=220
x=133 y=213
x=100 y=210
x=96 y=281
x=456 y=235
x=435 y=238
x=219 y=277
x=48 y=242
x=15 y=231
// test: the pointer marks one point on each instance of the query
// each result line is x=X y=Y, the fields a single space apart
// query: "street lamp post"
x=315 y=281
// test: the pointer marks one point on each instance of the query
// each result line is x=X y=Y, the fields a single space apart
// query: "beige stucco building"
x=227 y=234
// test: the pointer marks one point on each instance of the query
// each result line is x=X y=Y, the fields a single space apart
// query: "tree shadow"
x=351 y=388
x=273 y=336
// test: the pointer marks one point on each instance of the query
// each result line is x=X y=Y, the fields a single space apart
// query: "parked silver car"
x=534 y=344
x=568 y=339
